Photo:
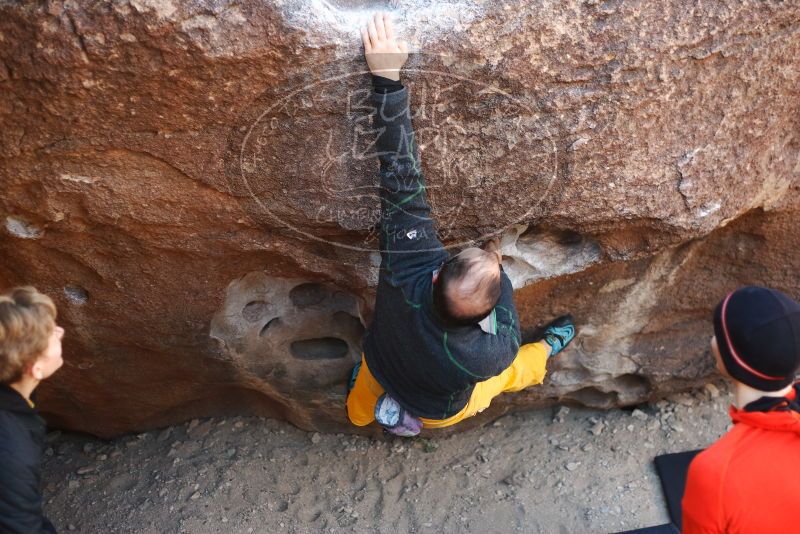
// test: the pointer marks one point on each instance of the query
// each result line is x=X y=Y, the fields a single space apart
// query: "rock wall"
x=192 y=183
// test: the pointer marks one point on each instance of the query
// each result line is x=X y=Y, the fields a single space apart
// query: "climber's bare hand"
x=385 y=54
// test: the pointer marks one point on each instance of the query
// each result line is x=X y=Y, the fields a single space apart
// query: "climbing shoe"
x=394 y=419
x=558 y=333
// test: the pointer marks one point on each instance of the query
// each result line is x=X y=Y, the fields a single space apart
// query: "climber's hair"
x=466 y=279
x=27 y=320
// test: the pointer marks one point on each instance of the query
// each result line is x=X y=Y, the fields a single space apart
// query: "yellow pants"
x=527 y=369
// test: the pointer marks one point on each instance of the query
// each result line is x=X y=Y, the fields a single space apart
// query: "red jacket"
x=749 y=480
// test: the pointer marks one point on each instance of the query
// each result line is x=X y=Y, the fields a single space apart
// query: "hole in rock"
x=630 y=388
x=279 y=372
x=537 y=234
x=631 y=382
x=308 y=294
x=23 y=229
x=568 y=237
x=348 y=323
x=594 y=398
x=343 y=300
x=546 y=252
x=76 y=295
x=321 y=348
x=254 y=311
x=272 y=322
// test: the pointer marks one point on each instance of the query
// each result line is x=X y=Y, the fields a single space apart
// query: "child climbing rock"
x=445 y=337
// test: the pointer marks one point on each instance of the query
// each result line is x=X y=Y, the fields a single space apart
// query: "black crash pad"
x=672 y=470
x=660 y=529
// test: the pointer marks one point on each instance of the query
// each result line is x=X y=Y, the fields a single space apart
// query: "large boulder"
x=192 y=182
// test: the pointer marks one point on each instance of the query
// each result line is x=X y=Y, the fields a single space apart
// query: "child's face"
x=51 y=360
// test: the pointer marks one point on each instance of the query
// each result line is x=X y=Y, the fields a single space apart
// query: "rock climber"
x=30 y=351
x=748 y=480
x=445 y=337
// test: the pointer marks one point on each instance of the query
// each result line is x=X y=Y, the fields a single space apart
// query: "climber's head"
x=757 y=338
x=30 y=340
x=467 y=286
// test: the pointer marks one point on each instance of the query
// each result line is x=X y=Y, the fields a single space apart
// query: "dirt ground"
x=559 y=470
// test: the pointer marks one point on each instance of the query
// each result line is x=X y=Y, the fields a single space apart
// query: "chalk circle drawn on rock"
x=481 y=149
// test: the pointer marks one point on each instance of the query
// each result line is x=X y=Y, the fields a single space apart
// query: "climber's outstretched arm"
x=408 y=238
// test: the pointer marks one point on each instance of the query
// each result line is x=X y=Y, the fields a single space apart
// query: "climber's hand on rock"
x=385 y=54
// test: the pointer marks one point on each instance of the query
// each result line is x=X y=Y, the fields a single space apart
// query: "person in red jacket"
x=749 y=480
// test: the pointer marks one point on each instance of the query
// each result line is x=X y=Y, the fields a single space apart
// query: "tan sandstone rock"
x=192 y=183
